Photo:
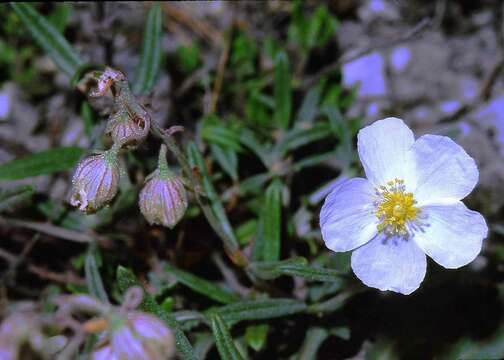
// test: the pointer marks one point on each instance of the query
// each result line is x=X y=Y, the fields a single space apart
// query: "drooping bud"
x=163 y=199
x=127 y=127
x=95 y=181
x=137 y=336
x=106 y=80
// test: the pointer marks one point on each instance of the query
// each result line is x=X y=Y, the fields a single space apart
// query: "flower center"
x=395 y=208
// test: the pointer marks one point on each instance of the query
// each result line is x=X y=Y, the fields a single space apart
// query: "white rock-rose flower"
x=408 y=207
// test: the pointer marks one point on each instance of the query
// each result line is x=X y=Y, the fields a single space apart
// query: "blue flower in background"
x=408 y=207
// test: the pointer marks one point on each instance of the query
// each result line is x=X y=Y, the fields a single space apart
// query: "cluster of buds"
x=163 y=200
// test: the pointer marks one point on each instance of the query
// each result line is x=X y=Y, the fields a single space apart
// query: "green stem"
x=233 y=251
x=164 y=170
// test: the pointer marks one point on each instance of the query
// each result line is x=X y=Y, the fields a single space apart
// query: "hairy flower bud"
x=163 y=199
x=139 y=336
x=95 y=181
x=128 y=128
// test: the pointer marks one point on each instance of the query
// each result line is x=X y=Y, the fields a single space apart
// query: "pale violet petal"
x=452 y=235
x=347 y=218
x=384 y=151
x=445 y=172
x=392 y=263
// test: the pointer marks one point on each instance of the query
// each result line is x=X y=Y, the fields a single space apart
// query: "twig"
x=19 y=259
x=44 y=273
x=56 y=231
x=221 y=67
x=202 y=28
x=352 y=55
x=230 y=277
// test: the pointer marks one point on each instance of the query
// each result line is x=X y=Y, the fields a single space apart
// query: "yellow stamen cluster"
x=395 y=208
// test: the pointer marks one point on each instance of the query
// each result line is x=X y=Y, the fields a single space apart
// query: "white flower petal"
x=347 y=219
x=453 y=234
x=390 y=263
x=444 y=170
x=384 y=151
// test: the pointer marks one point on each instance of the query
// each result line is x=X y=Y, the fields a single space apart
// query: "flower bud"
x=95 y=181
x=128 y=128
x=163 y=199
x=139 y=336
x=106 y=80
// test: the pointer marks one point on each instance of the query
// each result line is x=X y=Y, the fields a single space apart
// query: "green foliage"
x=150 y=60
x=188 y=57
x=282 y=87
x=93 y=278
x=258 y=309
x=43 y=163
x=256 y=336
x=225 y=345
x=267 y=245
x=49 y=38
x=308 y=32
x=202 y=286
x=15 y=198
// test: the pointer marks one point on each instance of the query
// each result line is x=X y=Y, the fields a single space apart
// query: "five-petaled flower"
x=409 y=205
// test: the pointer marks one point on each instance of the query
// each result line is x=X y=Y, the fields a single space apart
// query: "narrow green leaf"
x=282 y=90
x=60 y=15
x=262 y=151
x=259 y=309
x=11 y=199
x=256 y=336
x=196 y=159
x=151 y=52
x=93 y=279
x=49 y=38
x=43 y=163
x=203 y=286
x=294 y=267
x=295 y=138
x=125 y=280
x=268 y=239
x=225 y=345
x=227 y=160
x=87 y=118
x=309 y=106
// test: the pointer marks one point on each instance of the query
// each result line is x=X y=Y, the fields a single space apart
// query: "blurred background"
x=271 y=94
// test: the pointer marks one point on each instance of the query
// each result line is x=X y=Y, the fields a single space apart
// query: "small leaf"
x=196 y=159
x=294 y=267
x=203 y=286
x=262 y=151
x=150 y=60
x=93 y=279
x=125 y=280
x=282 y=90
x=223 y=340
x=259 y=309
x=267 y=245
x=43 y=163
x=49 y=38
x=11 y=199
x=309 y=106
x=256 y=336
